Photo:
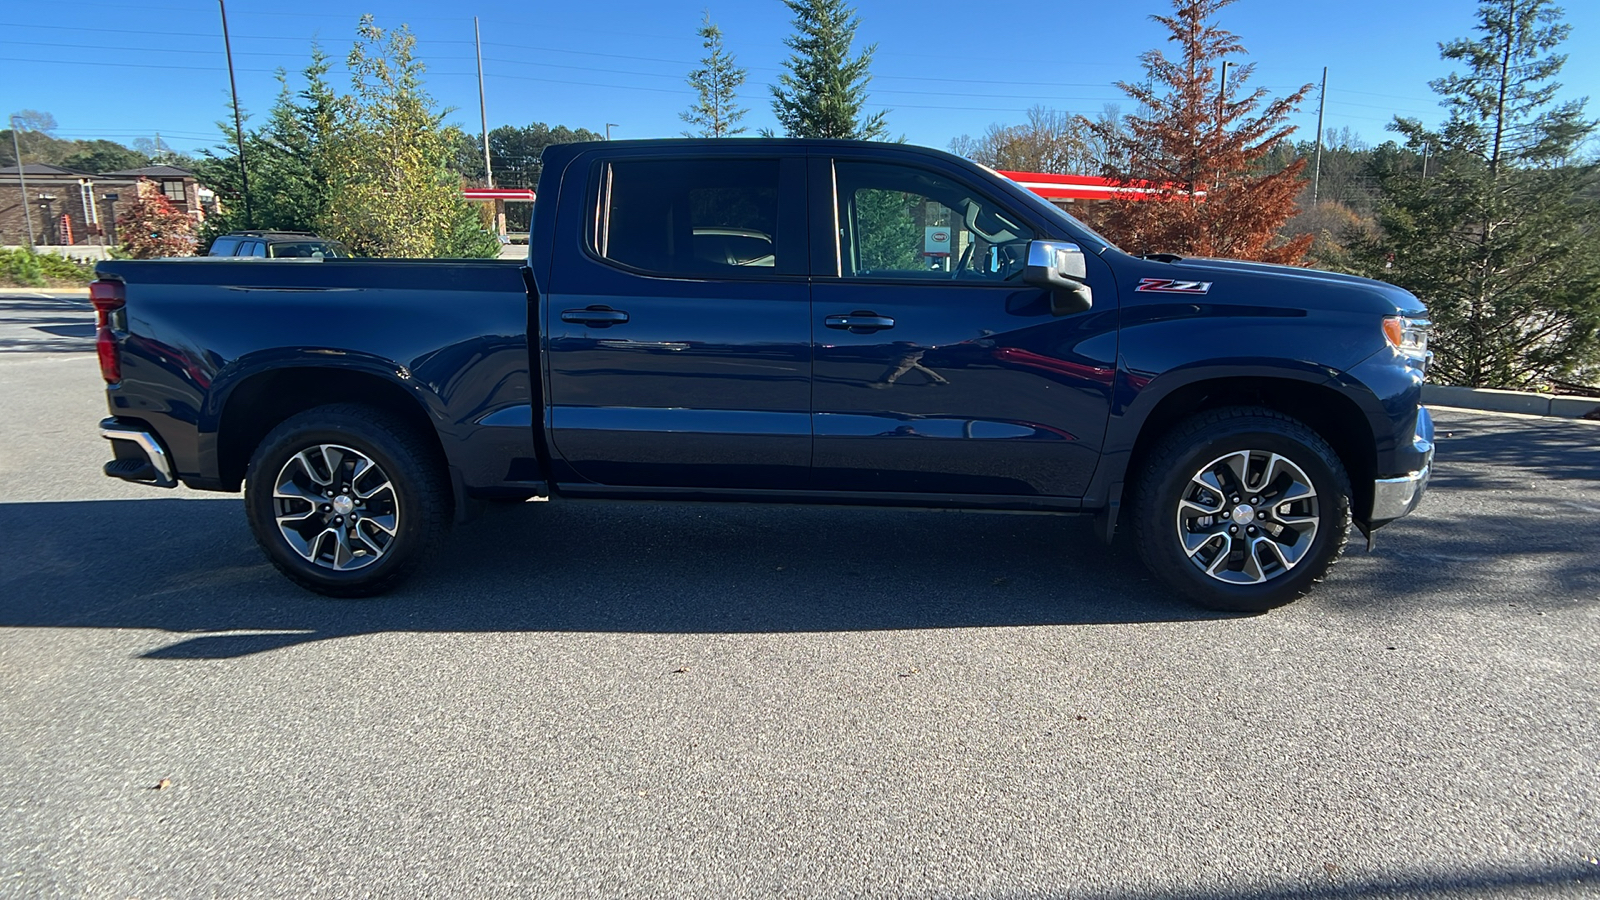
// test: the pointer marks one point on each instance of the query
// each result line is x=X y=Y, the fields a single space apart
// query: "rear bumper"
x=1398 y=495
x=140 y=458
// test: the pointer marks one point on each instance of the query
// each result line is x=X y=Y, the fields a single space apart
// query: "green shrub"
x=25 y=268
x=21 y=267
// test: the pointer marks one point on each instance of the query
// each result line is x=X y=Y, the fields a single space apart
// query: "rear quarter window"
x=224 y=246
x=692 y=217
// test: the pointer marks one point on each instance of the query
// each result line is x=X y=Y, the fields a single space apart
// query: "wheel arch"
x=260 y=402
x=1329 y=412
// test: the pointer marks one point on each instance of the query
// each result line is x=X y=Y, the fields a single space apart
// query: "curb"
x=1561 y=406
x=46 y=293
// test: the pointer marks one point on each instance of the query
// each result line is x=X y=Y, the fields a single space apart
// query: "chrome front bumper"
x=1395 y=497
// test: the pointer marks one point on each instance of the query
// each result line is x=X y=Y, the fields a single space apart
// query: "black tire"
x=1252 y=573
x=349 y=557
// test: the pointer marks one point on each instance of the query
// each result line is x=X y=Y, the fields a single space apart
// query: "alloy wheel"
x=336 y=507
x=1248 y=517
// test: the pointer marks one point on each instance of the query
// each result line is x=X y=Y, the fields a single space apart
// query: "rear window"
x=691 y=217
x=224 y=246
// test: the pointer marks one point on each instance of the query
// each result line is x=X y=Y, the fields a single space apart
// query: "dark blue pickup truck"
x=779 y=321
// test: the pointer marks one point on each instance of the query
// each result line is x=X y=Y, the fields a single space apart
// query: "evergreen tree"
x=286 y=161
x=1499 y=237
x=823 y=92
x=1198 y=147
x=717 y=112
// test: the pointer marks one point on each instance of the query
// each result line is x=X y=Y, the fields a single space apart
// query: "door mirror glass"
x=1060 y=268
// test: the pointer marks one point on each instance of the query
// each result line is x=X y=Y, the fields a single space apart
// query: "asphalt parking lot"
x=617 y=699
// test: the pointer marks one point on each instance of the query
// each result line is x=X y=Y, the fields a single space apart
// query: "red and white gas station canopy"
x=1082 y=187
x=1050 y=187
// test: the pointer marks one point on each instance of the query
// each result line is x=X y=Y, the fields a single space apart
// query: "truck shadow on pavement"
x=190 y=566
x=1512 y=520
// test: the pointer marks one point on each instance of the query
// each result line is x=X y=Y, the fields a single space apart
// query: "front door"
x=679 y=334
x=936 y=370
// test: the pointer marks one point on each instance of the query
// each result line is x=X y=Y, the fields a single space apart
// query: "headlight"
x=1409 y=337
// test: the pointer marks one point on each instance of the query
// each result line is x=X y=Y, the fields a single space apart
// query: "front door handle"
x=859 y=322
x=595 y=316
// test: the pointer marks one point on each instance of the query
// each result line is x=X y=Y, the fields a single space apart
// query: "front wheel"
x=1241 y=509
x=346 y=500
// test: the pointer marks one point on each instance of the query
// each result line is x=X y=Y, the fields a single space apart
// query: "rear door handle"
x=595 y=316
x=859 y=322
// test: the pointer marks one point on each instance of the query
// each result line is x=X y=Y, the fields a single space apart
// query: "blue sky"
x=130 y=69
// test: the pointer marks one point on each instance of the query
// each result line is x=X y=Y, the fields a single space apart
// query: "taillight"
x=107 y=297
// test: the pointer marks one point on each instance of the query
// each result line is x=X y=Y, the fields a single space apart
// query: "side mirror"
x=1060 y=268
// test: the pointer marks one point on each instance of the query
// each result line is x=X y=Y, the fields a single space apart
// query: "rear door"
x=678 y=323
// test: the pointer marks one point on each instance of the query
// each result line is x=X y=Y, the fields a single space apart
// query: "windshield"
x=1046 y=206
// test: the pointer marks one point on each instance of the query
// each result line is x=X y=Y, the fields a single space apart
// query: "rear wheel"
x=1241 y=509
x=346 y=500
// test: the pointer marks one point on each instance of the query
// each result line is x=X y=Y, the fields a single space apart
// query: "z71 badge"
x=1171 y=286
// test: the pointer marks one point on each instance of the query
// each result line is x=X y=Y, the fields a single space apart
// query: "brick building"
x=80 y=208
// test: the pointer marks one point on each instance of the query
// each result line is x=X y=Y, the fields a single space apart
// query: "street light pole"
x=609 y=126
x=27 y=211
x=238 y=121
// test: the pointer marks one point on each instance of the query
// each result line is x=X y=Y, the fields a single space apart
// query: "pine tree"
x=1198 y=147
x=822 y=94
x=286 y=161
x=717 y=112
x=1499 y=237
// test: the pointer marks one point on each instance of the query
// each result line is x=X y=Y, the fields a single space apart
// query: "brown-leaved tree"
x=1193 y=148
x=152 y=228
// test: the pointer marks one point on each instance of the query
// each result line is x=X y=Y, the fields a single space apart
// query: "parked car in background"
x=277 y=245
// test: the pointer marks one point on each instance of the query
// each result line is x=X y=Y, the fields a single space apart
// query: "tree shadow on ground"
x=1578 y=879
x=45 y=326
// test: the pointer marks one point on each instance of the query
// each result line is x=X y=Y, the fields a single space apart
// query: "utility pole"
x=483 y=110
x=609 y=126
x=1322 y=107
x=238 y=121
x=1426 y=146
x=27 y=211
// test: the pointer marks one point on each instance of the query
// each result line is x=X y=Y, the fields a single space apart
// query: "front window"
x=903 y=222
x=173 y=189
